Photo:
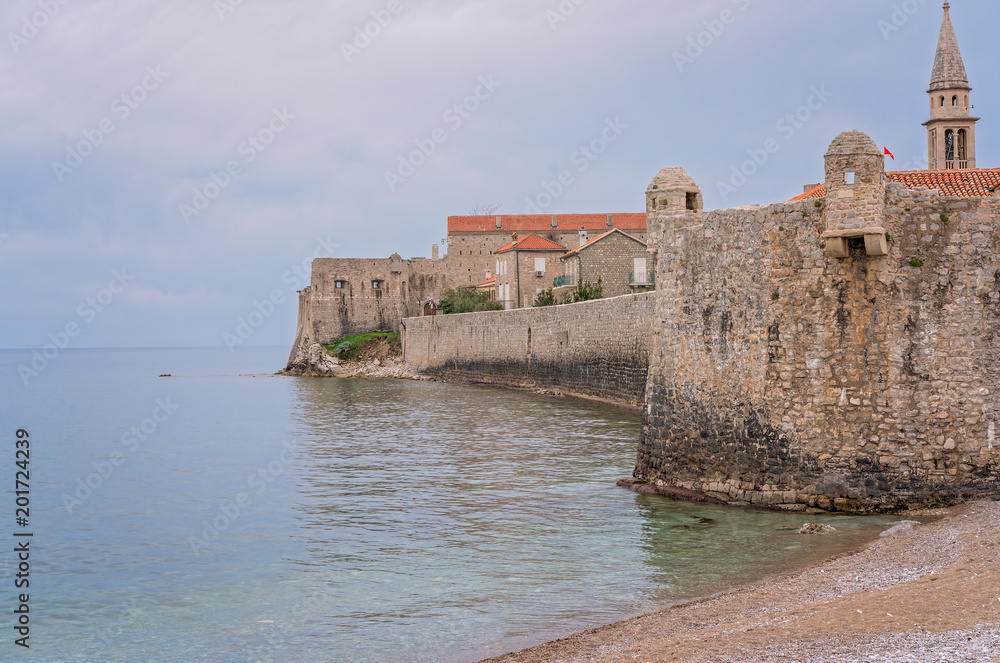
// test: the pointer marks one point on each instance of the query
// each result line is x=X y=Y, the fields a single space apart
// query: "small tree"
x=485 y=210
x=545 y=298
x=467 y=300
x=585 y=291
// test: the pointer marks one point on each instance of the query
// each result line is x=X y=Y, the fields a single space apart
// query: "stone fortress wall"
x=785 y=374
x=597 y=349
x=350 y=296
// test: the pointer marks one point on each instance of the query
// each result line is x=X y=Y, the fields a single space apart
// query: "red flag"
x=888 y=153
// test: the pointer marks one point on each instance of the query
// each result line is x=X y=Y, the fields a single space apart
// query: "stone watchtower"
x=672 y=197
x=855 y=196
x=951 y=131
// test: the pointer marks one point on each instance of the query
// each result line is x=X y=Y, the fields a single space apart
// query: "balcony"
x=650 y=281
x=563 y=281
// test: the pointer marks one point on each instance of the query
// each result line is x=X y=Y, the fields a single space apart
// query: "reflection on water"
x=463 y=521
x=420 y=521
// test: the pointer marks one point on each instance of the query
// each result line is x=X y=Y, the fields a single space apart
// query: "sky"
x=167 y=169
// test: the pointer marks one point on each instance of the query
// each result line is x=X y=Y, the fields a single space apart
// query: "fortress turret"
x=671 y=196
x=855 y=196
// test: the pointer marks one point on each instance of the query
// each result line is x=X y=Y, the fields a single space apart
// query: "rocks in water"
x=816 y=528
x=700 y=522
x=801 y=508
x=902 y=526
x=321 y=362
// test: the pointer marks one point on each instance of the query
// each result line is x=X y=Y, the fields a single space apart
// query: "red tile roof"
x=964 y=183
x=818 y=191
x=488 y=281
x=531 y=243
x=596 y=239
x=543 y=222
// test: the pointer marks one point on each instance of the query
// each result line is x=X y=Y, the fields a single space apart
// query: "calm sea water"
x=253 y=518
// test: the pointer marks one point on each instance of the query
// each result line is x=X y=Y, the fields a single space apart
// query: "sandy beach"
x=924 y=593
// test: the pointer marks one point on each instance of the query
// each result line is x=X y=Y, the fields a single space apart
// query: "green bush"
x=350 y=347
x=545 y=298
x=916 y=262
x=587 y=291
x=467 y=300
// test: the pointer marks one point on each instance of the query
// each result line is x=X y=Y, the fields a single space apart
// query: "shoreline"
x=933 y=590
x=394 y=368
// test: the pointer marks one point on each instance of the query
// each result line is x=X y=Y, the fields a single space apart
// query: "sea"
x=224 y=513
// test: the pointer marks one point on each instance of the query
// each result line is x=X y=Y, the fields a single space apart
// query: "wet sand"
x=930 y=593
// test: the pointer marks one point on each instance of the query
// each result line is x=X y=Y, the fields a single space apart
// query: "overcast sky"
x=167 y=165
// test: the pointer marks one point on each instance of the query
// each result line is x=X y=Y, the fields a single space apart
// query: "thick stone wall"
x=597 y=349
x=342 y=299
x=783 y=375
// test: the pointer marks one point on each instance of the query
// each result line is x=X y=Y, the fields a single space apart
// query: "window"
x=942 y=102
x=849 y=176
x=949 y=145
x=539 y=266
x=692 y=201
x=954 y=100
x=376 y=285
x=639 y=276
x=339 y=284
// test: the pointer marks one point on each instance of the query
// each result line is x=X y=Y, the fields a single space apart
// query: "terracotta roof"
x=543 y=222
x=597 y=239
x=819 y=191
x=488 y=281
x=964 y=183
x=531 y=243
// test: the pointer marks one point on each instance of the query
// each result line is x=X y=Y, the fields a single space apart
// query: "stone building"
x=621 y=262
x=951 y=131
x=524 y=268
x=489 y=288
x=472 y=240
x=350 y=296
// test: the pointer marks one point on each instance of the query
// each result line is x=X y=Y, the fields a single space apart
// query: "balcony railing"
x=564 y=280
x=961 y=164
x=650 y=281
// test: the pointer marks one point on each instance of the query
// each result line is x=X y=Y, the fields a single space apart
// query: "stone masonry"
x=350 y=296
x=788 y=374
x=611 y=258
x=597 y=349
x=472 y=240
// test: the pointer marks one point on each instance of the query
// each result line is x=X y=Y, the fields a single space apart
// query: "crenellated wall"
x=783 y=375
x=598 y=349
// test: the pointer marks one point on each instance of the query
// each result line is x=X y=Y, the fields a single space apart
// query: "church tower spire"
x=951 y=131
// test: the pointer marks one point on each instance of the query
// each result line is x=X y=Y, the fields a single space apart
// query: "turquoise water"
x=269 y=519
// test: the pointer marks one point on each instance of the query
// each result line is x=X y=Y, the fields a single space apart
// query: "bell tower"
x=951 y=131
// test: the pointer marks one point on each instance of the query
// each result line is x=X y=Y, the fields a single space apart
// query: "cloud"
x=325 y=174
